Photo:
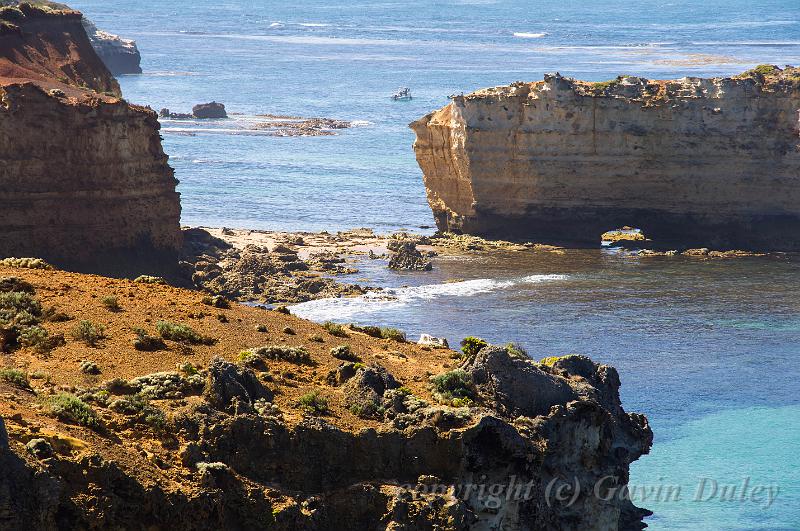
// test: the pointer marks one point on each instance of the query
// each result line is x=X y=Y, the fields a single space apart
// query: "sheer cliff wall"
x=84 y=181
x=693 y=161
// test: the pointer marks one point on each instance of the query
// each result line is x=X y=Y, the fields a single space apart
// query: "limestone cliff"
x=693 y=161
x=121 y=56
x=84 y=181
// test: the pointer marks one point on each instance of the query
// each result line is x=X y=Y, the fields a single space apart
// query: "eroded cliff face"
x=84 y=181
x=238 y=445
x=693 y=161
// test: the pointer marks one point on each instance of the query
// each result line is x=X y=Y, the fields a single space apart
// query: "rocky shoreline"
x=279 y=267
x=160 y=409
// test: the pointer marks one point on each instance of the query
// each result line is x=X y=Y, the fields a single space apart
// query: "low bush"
x=454 y=387
x=297 y=355
x=69 y=408
x=393 y=333
x=147 y=343
x=40 y=339
x=15 y=377
x=313 y=403
x=516 y=351
x=147 y=279
x=334 y=329
x=471 y=345
x=111 y=304
x=89 y=332
x=182 y=333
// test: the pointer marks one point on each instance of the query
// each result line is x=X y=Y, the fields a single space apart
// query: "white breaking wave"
x=347 y=308
x=524 y=35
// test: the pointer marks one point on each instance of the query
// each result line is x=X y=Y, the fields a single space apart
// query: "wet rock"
x=209 y=110
x=228 y=381
x=405 y=256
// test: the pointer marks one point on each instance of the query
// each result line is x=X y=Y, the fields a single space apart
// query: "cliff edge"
x=84 y=182
x=132 y=405
x=691 y=162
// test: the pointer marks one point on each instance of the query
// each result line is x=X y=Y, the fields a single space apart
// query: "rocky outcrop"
x=121 y=56
x=84 y=182
x=209 y=110
x=691 y=162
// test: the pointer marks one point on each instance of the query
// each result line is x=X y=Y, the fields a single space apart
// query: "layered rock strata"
x=692 y=162
x=84 y=181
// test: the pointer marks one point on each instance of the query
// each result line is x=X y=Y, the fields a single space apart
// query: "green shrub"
x=313 y=403
x=516 y=351
x=111 y=303
x=453 y=385
x=262 y=328
x=393 y=333
x=760 y=70
x=147 y=343
x=550 y=360
x=217 y=301
x=15 y=377
x=89 y=333
x=343 y=352
x=471 y=345
x=89 y=367
x=14 y=303
x=182 y=333
x=289 y=331
x=282 y=309
x=374 y=331
x=40 y=339
x=297 y=355
x=316 y=338
x=69 y=408
x=334 y=329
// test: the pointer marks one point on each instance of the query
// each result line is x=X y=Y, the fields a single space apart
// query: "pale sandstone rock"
x=703 y=162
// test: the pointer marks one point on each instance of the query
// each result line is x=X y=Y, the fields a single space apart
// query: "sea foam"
x=348 y=308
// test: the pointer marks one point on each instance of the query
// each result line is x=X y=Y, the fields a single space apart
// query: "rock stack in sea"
x=691 y=162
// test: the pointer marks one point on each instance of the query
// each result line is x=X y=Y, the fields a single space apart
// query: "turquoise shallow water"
x=708 y=350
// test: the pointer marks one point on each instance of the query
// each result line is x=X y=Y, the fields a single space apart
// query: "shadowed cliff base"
x=692 y=162
x=665 y=230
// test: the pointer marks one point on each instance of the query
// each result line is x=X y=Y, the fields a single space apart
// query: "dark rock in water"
x=406 y=257
x=209 y=110
x=165 y=113
x=227 y=383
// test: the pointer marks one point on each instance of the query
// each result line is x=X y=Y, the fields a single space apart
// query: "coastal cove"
x=707 y=349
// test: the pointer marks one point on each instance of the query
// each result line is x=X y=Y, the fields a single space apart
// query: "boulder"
x=209 y=110
x=229 y=382
x=516 y=386
x=431 y=341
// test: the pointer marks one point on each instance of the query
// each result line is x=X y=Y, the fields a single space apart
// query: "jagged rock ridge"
x=693 y=162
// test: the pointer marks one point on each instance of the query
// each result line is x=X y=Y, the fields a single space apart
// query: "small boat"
x=402 y=94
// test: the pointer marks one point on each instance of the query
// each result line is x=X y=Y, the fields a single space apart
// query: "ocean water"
x=707 y=349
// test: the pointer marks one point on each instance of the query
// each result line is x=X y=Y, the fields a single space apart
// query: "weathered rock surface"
x=121 y=56
x=84 y=182
x=702 y=162
x=209 y=110
x=405 y=256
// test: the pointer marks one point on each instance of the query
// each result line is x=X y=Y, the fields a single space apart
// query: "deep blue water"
x=707 y=349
